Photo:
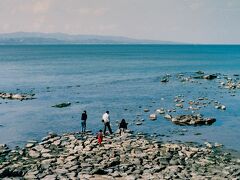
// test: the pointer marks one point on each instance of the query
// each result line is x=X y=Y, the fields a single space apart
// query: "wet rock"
x=62 y=105
x=3 y=146
x=209 y=121
x=160 y=111
x=179 y=105
x=210 y=77
x=191 y=120
x=164 y=80
x=199 y=72
x=197 y=134
x=138 y=123
x=16 y=96
x=153 y=117
x=168 y=116
x=218 y=144
x=223 y=107
x=208 y=145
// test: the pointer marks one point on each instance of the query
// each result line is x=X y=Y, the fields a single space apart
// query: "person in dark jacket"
x=123 y=126
x=84 y=119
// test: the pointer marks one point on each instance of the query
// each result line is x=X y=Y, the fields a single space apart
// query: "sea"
x=123 y=79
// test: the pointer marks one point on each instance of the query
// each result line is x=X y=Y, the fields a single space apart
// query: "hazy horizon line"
x=113 y=36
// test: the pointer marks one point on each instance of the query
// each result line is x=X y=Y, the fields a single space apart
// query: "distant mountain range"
x=34 y=38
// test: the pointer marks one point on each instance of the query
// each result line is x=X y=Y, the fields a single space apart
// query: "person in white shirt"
x=106 y=121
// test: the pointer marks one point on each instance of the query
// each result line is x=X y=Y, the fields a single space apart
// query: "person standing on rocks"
x=84 y=119
x=100 y=137
x=106 y=121
x=122 y=126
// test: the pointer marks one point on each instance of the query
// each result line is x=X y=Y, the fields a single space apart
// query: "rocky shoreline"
x=130 y=156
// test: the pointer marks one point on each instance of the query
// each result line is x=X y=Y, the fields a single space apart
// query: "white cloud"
x=108 y=27
x=39 y=22
x=5 y=27
x=176 y=20
x=100 y=11
x=194 y=4
x=41 y=6
x=33 y=7
x=92 y=11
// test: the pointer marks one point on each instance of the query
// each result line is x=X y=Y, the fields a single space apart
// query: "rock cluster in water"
x=72 y=156
x=231 y=84
x=190 y=120
x=12 y=96
x=208 y=76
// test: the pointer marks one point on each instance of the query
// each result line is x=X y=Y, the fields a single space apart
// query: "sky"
x=191 y=21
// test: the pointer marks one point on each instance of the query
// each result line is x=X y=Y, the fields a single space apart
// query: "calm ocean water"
x=118 y=78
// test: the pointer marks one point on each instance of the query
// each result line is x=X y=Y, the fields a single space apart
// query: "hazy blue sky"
x=198 y=21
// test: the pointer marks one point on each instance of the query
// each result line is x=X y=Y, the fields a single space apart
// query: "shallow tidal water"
x=124 y=79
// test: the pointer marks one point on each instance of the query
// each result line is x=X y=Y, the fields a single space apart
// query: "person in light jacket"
x=106 y=121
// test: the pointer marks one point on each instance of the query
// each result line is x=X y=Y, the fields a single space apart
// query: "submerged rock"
x=222 y=107
x=138 y=123
x=62 y=105
x=210 y=77
x=199 y=72
x=164 y=80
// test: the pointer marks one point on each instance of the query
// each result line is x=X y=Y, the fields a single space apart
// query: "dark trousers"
x=107 y=125
x=84 y=125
